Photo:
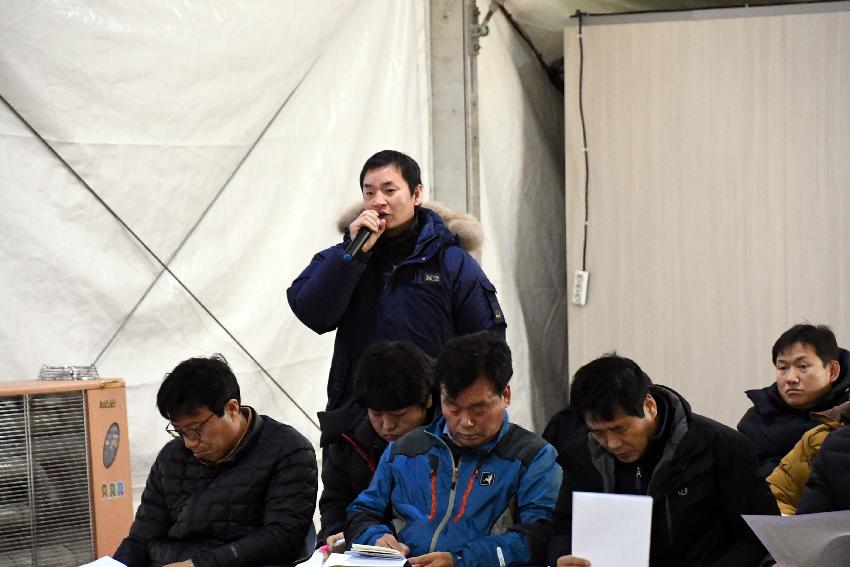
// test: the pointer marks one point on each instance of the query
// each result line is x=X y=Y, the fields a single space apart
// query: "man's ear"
x=506 y=394
x=834 y=369
x=429 y=402
x=650 y=406
x=231 y=407
x=417 y=195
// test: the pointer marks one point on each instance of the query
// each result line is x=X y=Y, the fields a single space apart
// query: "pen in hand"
x=334 y=547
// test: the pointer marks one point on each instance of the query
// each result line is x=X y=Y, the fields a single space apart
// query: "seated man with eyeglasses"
x=234 y=488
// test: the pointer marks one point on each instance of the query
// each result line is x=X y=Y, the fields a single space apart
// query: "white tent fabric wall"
x=522 y=209
x=155 y=108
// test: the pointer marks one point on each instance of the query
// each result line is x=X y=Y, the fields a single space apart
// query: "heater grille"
x=45 y=510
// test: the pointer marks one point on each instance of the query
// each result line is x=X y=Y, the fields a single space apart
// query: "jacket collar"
x=603 y=461
x=433 y=235
x=439 y=426
x=467 y=228
x=834 y=417
x=338 y=421
x=248 y=440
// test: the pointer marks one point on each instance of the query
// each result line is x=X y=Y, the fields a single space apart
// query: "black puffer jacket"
x=352 y=451
x=253 y=508
x=706 y=478
x=828 y=489
x=774 y=427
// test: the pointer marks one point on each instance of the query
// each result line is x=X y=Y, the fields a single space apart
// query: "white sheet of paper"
x=349 y=559
x=316 y=560
x=809 y=539
x=105 y=561
x=612 y=530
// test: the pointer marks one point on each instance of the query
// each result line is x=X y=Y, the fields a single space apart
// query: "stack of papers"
x=376 y=551
x=352 y=559
x=104 y=562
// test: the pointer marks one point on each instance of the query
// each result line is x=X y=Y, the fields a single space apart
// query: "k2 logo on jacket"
x=487 y=478
x=431 y=278
x=682 y=491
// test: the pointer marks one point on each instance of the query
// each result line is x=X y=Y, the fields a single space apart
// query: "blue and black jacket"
x=437 y=293
x=493 y=507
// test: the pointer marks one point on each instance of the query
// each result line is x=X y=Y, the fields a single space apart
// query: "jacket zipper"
x=404 y=262
x=669 y=519
x=451 y=502
x=637 y=480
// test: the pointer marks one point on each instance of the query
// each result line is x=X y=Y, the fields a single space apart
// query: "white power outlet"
x=580 y=287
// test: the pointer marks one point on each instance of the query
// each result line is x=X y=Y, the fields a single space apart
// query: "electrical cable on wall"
x=157 y=258
x=583 y=140
x=580 y=282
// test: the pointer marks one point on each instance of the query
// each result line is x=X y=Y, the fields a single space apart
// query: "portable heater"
x=65 y=488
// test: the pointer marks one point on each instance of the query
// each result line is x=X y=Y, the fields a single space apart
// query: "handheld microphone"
x=362 y=235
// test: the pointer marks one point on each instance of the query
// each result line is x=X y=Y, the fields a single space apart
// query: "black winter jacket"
x=562 y=429
x=828 y=489
x=352 y=452
x=774 y=427
x=253 y=508
x=706 y=478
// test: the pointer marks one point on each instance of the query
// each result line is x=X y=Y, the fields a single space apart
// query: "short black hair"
x=465 y=359
x=608 y=384
x=819 y=337
x=406 y=165
x=197 y=383
x=393 y=375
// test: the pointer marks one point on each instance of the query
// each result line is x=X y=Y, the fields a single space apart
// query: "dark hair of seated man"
x=394 y=382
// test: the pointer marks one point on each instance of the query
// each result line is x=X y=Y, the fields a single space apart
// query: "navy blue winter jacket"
x=500 y=500
x=775 y=427
x=435 y=294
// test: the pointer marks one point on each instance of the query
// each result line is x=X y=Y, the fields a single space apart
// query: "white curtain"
x=522 y=208
x=155 y=107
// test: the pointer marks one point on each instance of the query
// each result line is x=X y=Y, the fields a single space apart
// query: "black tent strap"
x=164 y=265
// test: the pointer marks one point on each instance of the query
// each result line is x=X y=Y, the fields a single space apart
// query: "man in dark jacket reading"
x=413 y=280
x=643 y=439
x=234 y=488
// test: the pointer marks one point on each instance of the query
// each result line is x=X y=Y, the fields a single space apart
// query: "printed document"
x=612 y=530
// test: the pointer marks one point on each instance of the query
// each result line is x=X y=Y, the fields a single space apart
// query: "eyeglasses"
x=192 y=433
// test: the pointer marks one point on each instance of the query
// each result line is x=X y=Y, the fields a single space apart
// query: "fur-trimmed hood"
x=467 y=228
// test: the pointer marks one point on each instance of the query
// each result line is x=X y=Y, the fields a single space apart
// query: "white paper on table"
x=808 y=540
x=349 y=559
x=612 y=530
x=105 y=561
x=316 y=560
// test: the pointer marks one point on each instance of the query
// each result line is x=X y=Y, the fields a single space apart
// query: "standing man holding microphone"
x=412 y=279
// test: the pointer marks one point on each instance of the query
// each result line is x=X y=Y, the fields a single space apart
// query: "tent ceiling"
x=544 y=20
